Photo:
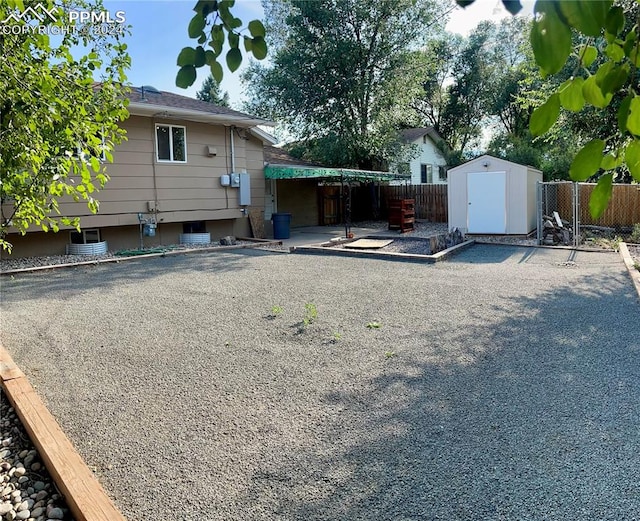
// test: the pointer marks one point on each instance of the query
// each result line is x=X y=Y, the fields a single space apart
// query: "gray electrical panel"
x=245 y=190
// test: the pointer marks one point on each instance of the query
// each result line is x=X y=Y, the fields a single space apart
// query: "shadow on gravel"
x=56 y=283
x=534 y=418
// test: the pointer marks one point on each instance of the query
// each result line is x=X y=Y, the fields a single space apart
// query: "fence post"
x=576 y=214
x=539 y=187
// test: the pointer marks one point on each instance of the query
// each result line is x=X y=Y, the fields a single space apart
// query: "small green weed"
x=635 y=234
x=336 y=337
x=615 y=244
x=374 y=325
x=276 y=311
x=636 y=265
x=310 y=313
x=389 y=354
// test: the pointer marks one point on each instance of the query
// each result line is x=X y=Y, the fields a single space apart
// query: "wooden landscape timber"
x=85 y=497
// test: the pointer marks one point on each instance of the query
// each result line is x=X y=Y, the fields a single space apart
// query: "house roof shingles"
x=152 y=102
x=409 y=135
x=279 y=156
x=169 y=99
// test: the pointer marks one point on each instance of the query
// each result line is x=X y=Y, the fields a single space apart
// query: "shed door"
x=487 y=198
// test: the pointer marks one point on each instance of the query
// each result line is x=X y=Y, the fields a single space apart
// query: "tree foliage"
x=214 y=25
x=210 y=91
x=473 y=84
x=343 y=76
x=56 y=124
x=606 y=57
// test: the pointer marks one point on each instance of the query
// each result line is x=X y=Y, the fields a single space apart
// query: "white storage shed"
x=488 y=195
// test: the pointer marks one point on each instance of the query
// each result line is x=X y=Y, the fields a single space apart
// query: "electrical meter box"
x=245 y=190
x=225 y=180
x=235 y=180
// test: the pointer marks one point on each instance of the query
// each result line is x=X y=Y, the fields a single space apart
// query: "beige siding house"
x=174 y=172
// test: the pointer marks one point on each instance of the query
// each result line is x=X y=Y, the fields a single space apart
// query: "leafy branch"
x=616 y=52
x=212 y=26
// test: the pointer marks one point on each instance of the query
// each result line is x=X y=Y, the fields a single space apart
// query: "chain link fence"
x=564 y=217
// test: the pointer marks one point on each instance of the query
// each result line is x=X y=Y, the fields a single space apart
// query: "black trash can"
x=281 y=225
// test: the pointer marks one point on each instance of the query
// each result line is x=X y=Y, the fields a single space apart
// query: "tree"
x=210 y=91
x=438 y=59
x=344 y=76
x=472 y=84
x=56 y=124
x=466 y=107
x=608 y=33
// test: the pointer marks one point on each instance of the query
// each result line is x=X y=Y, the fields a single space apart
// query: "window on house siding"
x=90 y=236
x=442 y=172
x=194 y=227
x=426 y=173
x=171 y=143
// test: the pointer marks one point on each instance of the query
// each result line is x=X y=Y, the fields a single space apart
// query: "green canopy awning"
x=310 y=172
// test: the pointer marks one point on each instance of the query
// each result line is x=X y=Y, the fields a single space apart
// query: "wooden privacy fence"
x=623 y=209
x=430 y=200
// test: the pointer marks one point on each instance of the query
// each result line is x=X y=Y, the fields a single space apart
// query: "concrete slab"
x=369 y=244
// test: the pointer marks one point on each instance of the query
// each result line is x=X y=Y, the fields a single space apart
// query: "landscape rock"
x=229 y=240
x=18 y=499
x=55 y=513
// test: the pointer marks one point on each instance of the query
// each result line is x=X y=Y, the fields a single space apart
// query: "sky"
x=159 y=32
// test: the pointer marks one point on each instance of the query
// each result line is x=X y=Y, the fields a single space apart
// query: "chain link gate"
x=558 y=213
x=564 y=216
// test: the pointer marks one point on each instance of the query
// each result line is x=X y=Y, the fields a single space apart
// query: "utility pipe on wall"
x=233 y=153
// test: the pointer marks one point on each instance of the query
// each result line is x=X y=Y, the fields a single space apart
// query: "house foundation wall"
x=38 y=244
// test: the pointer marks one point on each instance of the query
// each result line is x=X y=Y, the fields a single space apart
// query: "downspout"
x=233 y=153
x=154 y=155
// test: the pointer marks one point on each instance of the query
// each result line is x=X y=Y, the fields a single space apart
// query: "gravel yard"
x=634 y=251
x=504 y=384
x=54 y=260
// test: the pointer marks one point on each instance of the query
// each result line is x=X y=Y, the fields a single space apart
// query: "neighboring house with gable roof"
x=170 y=171
x=429 y=166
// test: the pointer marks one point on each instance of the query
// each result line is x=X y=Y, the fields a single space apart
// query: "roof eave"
x=165 y=112
x=263 y=136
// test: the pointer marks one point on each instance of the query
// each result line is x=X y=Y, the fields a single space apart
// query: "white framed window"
x=171 y=143
x=89 y=236
x=426 y=174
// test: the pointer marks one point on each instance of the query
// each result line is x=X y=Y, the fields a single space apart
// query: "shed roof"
x=486 y=158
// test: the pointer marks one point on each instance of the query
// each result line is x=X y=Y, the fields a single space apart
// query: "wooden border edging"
x=392 y=256
x=82 y=492
x=628 y=262
x=166 y=253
